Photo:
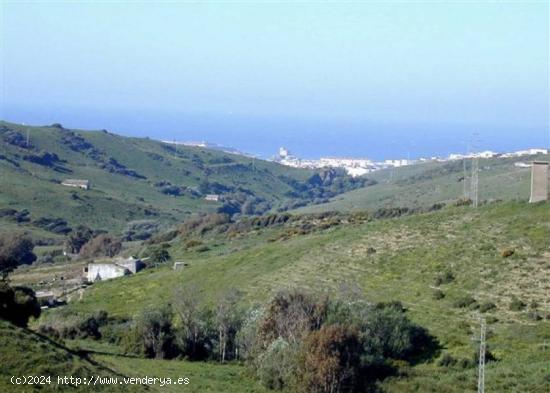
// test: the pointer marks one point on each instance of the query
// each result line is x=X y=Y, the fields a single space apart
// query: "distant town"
x=361 y=166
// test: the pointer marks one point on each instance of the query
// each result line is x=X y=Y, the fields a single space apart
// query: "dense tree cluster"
x=298 y=341
x=15 y=249
x=17 y=304
x=103 y=245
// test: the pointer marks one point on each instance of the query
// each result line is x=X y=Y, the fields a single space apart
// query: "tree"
x=186 y=306
x=276 y=367
x=15 y=250
x=77 y=238
x=154 y=326
x=18 y=304
x=291 y=315
x=100 y=246
x=331 y=360
x=157 y=254
x=226 y=321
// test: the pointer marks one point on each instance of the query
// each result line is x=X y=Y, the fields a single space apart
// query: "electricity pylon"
x=482 y=345
x=474 y=182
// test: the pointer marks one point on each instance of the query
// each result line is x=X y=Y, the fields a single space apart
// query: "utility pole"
x=474 y=185
x=464 y=180
x=481 y=375
x=28 y=137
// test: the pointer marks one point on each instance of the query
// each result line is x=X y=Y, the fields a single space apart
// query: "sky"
x=371 y=79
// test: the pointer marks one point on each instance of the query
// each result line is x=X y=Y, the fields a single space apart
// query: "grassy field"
x=449 y=267
x=24 y=353
x=391 y=259
x=127 y=189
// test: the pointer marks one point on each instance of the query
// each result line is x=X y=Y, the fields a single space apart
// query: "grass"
x=411 y=252
x=25 y=353
x=115 y=199
x=430 y=183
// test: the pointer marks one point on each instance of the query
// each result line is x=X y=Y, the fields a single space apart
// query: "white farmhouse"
x=118 y=268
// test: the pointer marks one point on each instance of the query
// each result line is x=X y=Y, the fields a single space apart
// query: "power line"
x=474 y=184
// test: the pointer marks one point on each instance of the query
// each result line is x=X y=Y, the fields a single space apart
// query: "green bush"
x=487 y=306
x=464 y=301
x=18 y=304
x=516 y=304
x=444 y=278
x=447 y=361
x=438 y=294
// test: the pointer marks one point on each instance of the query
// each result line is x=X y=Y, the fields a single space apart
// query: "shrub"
x=276 y=366
x=77 y=238
x=508 y=252
x=516 y=304
x=157 y=255
x=291 y=315
x=447 y=361
x=192 y=243
x=464 y=301
x=444 y=278
x=534 y=315
x=103 y=245
x=140 y=230
x=490 y=320
x=330 y=360
x=18 y=304
x=154 y=327
x=76 y=326
x=15 y=249
x=438 y=294
x=487 y=306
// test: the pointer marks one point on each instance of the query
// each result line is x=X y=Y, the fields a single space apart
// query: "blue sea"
x=305 y=138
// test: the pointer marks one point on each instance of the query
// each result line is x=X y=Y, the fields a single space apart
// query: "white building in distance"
x=78 y=183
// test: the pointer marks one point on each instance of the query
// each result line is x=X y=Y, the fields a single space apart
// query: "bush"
x=103 y=245
x=140 y=230
x=18 y=304
x=276 y=366
x=487 y=306
x=15 y=249
x=507 y=253
x=76 y=326
x=447 y=361
x=77 y=238
x=154 y=327
x=157 y=255
x=444 y=278
x=464 y=301
x=516 y=304
x=534 y=315
x=192 y=243
x=330 y=360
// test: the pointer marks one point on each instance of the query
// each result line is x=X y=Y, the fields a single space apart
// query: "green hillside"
x=24 y=353
x=447 y=267
x=135 y=179
x=434 y=182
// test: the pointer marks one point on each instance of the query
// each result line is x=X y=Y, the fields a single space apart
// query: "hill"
x=137 y=179
x=448 y=267
x=25 y=353
x=435 y=182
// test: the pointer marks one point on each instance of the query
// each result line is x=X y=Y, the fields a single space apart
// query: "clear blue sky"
x=254 y=75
